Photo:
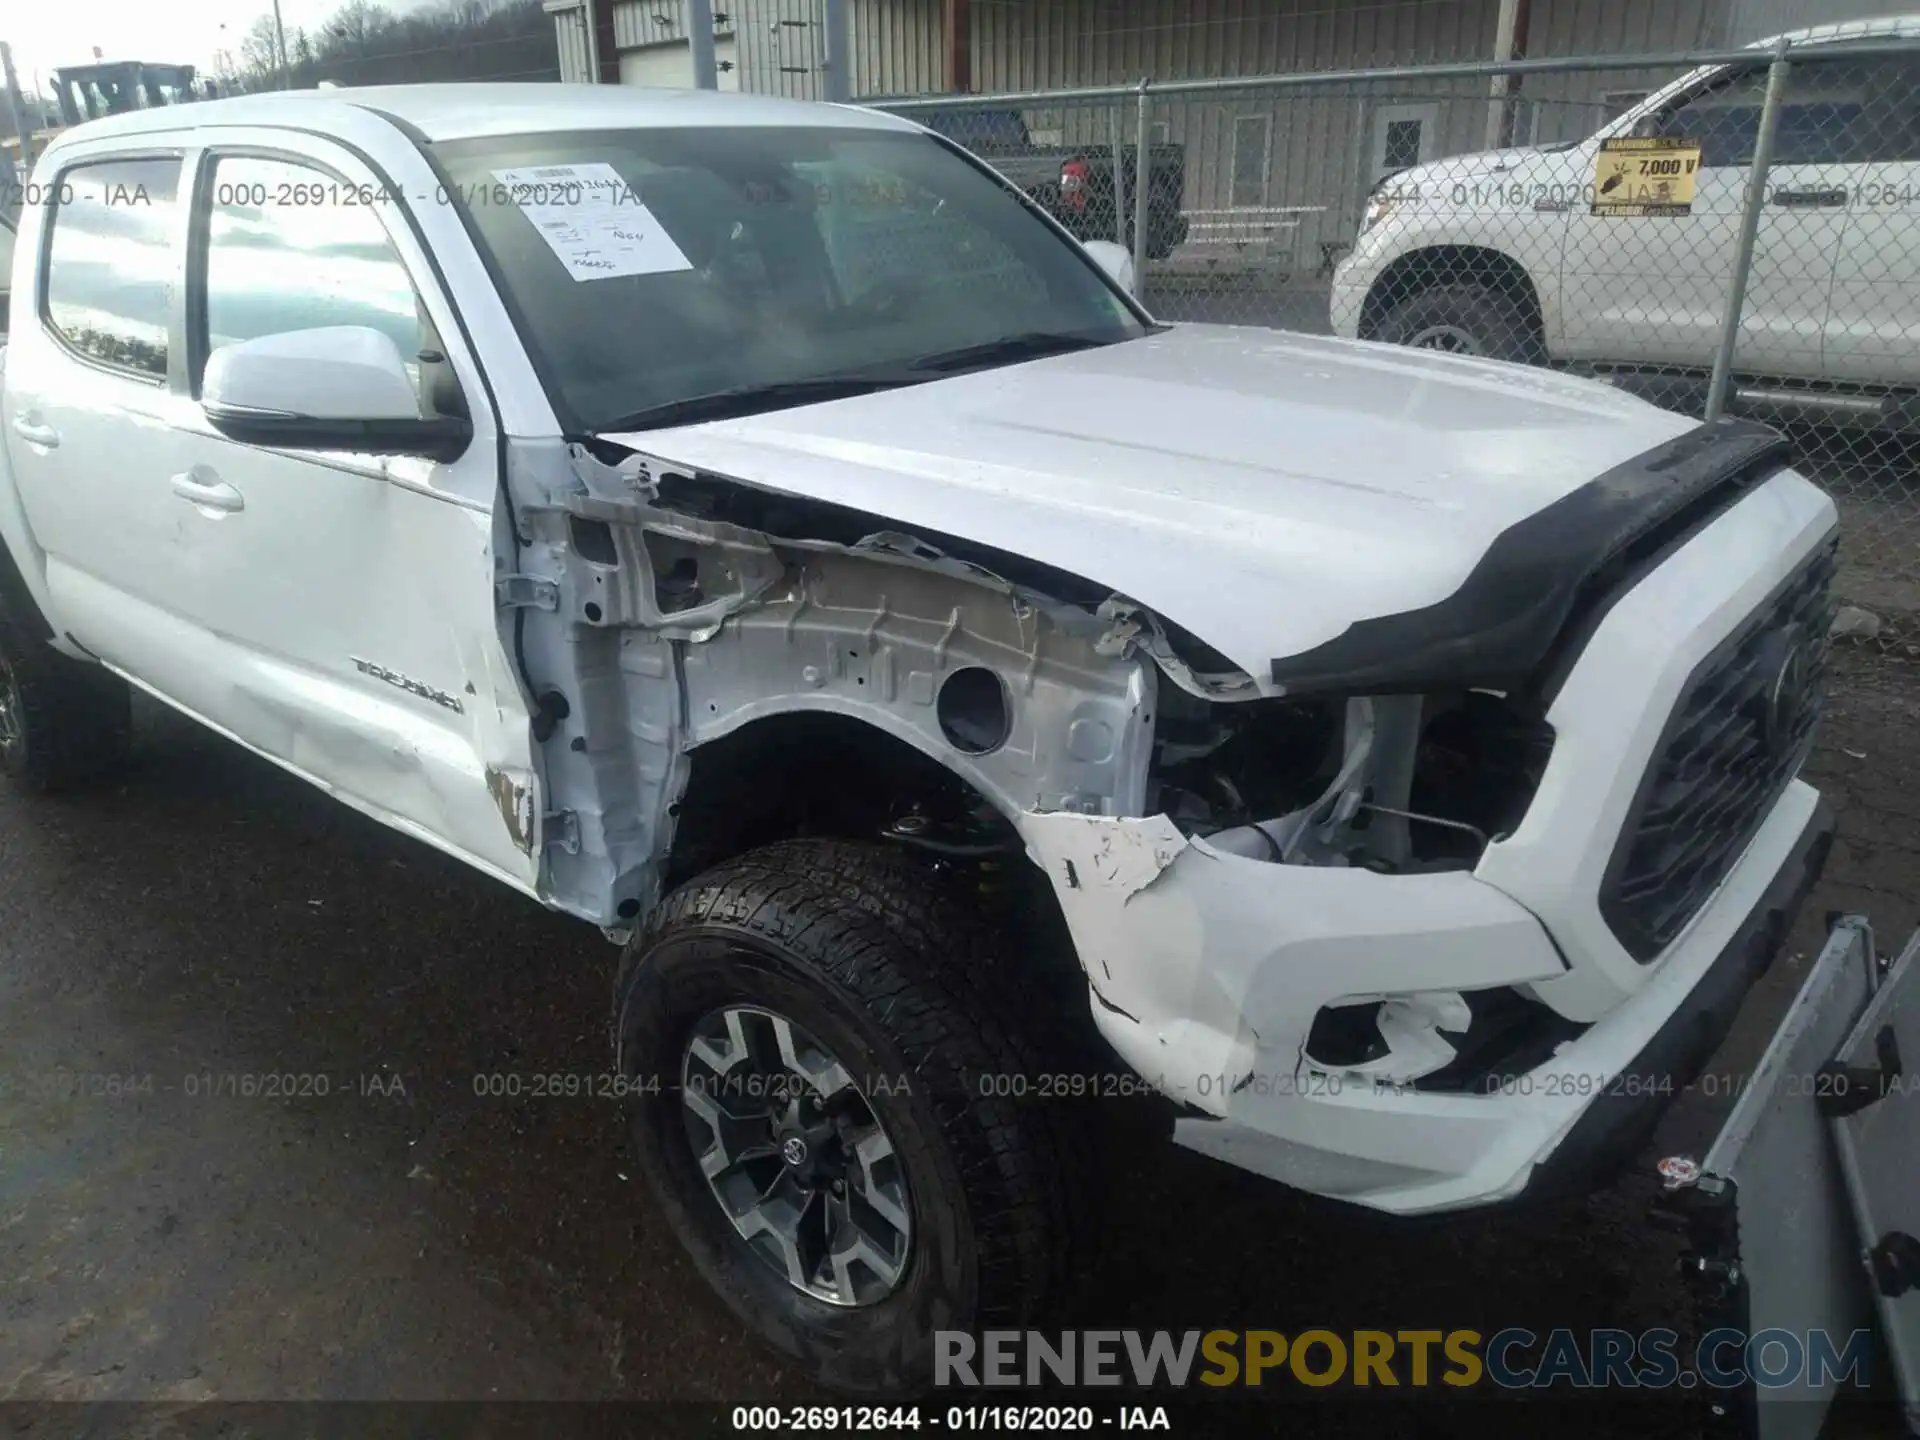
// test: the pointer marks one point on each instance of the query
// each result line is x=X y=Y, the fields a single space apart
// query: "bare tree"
x=364 y=44
x=259 y=60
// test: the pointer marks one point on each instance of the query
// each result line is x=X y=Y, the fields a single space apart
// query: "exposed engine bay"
x=1392 y=783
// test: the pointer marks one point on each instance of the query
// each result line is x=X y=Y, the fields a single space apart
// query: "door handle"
x=208 y=493
x=34 y=433
x=1807 y=198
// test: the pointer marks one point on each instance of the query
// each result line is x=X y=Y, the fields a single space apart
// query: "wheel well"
x=812 y=773
x=1420 y=270
x=822 y=775
x=16 y=598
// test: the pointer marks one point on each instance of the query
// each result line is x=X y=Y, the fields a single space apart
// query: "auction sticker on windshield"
x=592 y=220
x=1654 y=175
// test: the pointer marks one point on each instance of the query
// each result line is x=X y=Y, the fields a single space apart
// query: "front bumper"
x=1619 y=1123
x=1353 y=278
x=1208 y=969
x=1228 y=1042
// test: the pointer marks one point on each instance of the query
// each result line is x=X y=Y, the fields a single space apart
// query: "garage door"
x=670 y=66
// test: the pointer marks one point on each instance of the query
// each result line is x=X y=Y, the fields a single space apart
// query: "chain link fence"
x=1729 y=233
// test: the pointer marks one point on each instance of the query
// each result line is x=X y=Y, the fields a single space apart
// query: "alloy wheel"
x=796 y=1156
x=1450 y=338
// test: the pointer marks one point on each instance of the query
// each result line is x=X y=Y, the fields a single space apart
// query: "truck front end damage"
x=1398 y=938
x=659 y=611
x=1447 y=973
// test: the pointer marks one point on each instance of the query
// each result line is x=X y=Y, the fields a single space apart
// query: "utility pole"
x=700 y=44
x=1509 y=43
x=280 y=46
x=956 y=59
x=837 y=52
x=18 y=109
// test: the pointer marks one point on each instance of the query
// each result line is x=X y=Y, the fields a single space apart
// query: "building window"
x=1402 y=148
x=1252 y=137
x=1403 y=135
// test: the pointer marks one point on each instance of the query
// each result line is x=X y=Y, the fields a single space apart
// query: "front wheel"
x=1464 y=320
x=826 y=1052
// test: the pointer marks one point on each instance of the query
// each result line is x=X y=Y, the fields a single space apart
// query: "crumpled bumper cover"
x=1207 y=970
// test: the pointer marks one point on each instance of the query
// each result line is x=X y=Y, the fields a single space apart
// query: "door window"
x=1884 y=125
x=111 y=263
x=289 y=247
x=1832 y=112
x=1724 y=118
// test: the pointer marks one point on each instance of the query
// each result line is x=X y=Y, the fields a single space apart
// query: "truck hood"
x=1441 y=176
x=1263 y=490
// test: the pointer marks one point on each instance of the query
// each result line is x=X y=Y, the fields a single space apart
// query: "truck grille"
x=1742 y=726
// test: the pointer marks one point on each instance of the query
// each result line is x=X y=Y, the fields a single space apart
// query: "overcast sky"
x=46 y=34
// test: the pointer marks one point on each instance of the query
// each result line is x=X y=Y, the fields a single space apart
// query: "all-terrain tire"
x=63 y=723
x=872 y=952
x=1465 y=319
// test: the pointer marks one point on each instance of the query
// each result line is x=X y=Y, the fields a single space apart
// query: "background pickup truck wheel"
x=1464 y=320
x=62 y=722
x=822 y=1043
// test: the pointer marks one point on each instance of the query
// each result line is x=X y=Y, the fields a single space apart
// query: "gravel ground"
x=401 y=1236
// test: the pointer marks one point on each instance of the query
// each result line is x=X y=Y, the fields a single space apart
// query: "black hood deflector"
x=1500 y=627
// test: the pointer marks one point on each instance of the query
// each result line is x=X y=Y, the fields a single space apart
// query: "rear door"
x=1873 y=326
x=1653 y=289
x=91 y=401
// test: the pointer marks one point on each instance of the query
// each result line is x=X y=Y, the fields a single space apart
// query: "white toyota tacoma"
x=1505 y=253
x=755 y=529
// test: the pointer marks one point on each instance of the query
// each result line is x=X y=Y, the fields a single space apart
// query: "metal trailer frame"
x=1792 y=1217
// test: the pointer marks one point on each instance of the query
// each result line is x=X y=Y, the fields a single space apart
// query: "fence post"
x=1120 y=207
x=700 y=44
x=280 y=47
x=838 y=60
x=1756 y=198
x=1142 y=176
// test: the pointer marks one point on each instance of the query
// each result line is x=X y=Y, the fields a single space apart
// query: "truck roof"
x=461 y=110
x=1835 y=31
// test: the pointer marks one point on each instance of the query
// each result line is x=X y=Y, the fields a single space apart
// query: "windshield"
x=649 y=268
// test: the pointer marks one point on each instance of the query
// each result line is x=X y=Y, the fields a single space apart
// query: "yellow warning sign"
x=1654 y=175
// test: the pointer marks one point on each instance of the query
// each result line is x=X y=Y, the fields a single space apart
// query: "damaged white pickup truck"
x=756 y=529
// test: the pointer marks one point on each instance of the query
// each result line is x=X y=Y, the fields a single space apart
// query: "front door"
x=348 y=600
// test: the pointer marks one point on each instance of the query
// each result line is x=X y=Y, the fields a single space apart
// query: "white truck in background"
x=757 y=529
x=11 y=194
x=1505 y=254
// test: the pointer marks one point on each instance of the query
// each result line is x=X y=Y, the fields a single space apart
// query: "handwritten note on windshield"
x=592 y=221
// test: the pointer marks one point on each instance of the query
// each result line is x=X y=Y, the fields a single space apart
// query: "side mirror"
x=1113 y=259
x=344 y=387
